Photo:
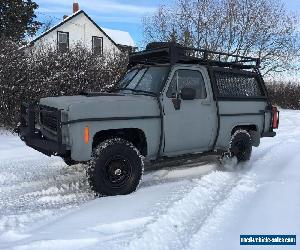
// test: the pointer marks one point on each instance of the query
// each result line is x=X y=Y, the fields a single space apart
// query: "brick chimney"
x=75 y=6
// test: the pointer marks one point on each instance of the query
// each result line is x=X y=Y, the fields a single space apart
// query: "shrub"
x=284 y=95
x=27 y=75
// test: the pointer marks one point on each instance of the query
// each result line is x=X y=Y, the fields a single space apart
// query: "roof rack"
x=175 y=53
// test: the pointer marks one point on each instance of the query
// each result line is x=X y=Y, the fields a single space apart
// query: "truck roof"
x=173 y=53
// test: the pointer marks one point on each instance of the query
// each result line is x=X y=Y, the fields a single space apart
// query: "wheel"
x=241 y=145
x=116 y=168
x=69 y=161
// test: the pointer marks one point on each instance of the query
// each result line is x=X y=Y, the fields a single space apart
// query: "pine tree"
x=18 y=19
x=173 y=36
x=187 y=39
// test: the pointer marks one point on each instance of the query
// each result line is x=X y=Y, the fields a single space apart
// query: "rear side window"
x=237 y=85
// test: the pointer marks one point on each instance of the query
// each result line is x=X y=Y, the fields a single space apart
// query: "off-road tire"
x=69 y=161
x=116 y=168
x=241 y=145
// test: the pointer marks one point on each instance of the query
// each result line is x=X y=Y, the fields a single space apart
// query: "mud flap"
x=255 y=137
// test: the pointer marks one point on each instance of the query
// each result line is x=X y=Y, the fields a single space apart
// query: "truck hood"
x=104 y=106
x=63 y=102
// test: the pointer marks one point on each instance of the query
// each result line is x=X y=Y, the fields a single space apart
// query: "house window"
x=62 y=41
x=98 y=45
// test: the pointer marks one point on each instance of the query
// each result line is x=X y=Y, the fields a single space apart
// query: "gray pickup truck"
x=172 y=102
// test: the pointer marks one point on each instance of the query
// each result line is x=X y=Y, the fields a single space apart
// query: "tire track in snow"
x=181 y=180
x=172 y=229
x=201 y=238
x=247 y=186
x=33 y=190
x=161 y=206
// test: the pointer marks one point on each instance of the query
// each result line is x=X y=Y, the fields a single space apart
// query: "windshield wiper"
x=139 y=91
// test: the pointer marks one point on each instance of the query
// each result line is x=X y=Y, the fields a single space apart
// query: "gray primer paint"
x=191 y=129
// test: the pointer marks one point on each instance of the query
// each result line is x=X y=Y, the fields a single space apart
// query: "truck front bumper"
x=33 y=137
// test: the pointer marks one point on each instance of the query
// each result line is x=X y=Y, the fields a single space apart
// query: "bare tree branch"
x=260 y=28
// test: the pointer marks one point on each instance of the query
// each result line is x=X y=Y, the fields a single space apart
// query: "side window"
x=184 y=78
x=237 y=85
x=62 y=41
x=97 y=45
x=153 y=79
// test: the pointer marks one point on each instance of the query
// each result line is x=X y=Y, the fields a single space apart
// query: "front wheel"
x=68 y=160
x=241 y=145
x=116 y=168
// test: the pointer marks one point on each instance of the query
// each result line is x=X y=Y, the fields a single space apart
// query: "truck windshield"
x=148 y=79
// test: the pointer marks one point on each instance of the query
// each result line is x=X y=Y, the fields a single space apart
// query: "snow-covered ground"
x=46 y=205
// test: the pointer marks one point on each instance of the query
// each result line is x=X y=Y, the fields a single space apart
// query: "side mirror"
x=188 y=94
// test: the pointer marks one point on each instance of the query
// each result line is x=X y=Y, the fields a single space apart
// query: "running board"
x=188 y=160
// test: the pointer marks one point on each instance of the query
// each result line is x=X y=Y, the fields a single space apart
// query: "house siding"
x=81 y=30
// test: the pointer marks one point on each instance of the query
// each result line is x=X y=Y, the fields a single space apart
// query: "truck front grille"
x=48 y=118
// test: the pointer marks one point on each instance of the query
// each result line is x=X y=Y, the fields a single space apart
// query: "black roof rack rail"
x=175 y=53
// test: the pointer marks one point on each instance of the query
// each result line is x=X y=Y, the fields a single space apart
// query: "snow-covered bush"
x=13 y=76
x=26 y=75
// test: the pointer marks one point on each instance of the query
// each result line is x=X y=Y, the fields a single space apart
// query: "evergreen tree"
x=187 y=38
x=173 y=36
x=18 y=19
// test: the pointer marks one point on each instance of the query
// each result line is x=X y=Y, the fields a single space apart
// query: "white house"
x=80 y=28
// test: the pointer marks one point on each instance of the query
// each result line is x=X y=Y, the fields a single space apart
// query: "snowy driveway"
x=46 y=205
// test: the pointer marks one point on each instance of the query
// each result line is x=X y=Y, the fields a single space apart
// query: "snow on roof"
x=120 y=37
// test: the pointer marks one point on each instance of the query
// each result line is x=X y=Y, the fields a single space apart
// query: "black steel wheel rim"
x=118 y=171
x=240 y=147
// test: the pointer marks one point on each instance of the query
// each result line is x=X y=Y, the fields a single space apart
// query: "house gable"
x=81 y=29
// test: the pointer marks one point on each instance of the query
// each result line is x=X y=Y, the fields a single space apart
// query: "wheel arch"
x=252 y=129
x=134 y=135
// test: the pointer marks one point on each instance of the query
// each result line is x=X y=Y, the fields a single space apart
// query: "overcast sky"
x=115 y=14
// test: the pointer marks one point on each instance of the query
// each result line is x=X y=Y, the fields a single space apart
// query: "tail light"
x=275 y=117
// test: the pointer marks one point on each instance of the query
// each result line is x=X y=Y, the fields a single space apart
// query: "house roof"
x=117 y=37
x=120 y=37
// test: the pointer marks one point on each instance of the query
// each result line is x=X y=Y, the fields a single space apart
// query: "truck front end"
x=41 y=129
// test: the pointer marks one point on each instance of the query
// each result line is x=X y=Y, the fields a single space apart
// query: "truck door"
x=188 y=123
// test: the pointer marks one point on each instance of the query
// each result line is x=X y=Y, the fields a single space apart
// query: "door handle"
x=206 y=102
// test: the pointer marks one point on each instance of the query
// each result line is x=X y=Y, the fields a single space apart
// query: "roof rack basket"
x=175 y=53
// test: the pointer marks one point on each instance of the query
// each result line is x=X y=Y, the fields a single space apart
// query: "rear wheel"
x=241 y=145
x=116 y=168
